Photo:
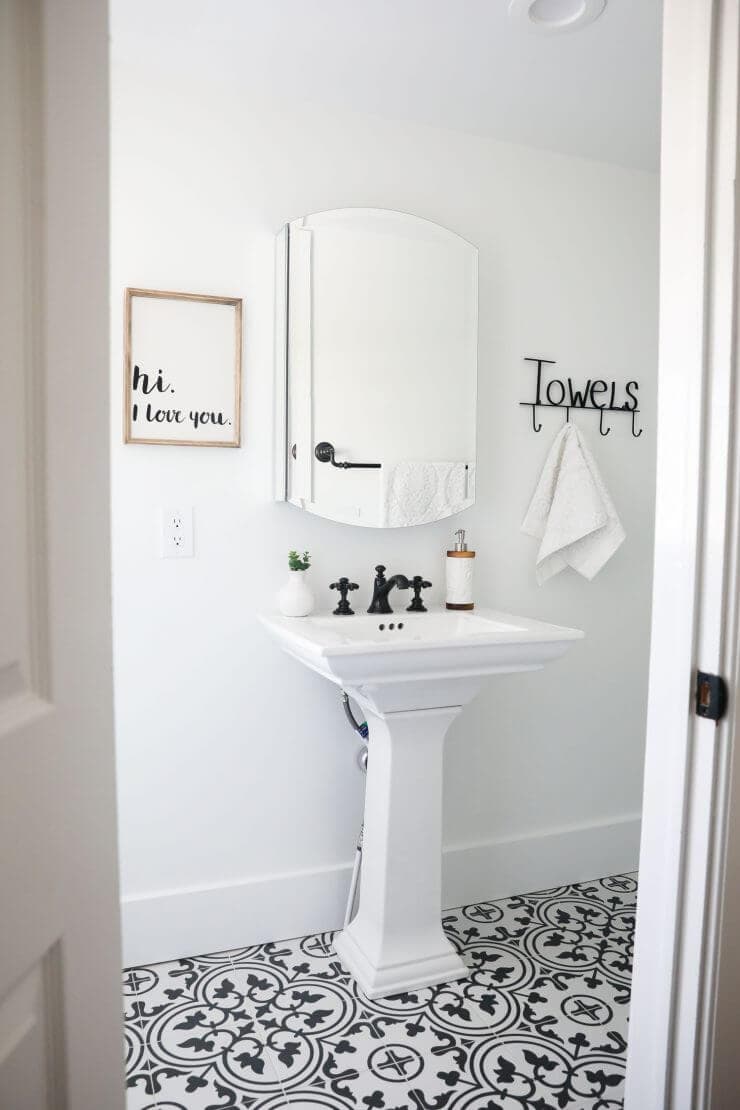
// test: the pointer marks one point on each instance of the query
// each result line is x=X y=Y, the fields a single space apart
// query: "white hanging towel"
x=572 y=512
x=417 y=492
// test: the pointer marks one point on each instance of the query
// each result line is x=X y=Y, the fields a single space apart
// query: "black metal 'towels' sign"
x=593 y=394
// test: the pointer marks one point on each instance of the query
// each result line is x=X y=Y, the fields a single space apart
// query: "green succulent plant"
x=299 y=562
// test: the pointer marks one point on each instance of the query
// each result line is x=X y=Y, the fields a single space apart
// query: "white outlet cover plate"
x=176 y=532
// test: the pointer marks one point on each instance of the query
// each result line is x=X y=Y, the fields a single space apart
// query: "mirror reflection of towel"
x=417 y=492
x=571 y=511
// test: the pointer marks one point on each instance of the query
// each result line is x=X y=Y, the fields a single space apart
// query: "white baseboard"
x=170 y=924
x=499 y=868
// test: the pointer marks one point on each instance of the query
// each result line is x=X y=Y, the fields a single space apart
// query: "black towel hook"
x=537 y=427
x=601 y=424
x=634 y=433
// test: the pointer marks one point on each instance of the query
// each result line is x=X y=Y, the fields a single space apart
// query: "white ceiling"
x=459 y=64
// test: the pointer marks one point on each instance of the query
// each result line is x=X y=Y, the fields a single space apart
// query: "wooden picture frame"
x=184 y=346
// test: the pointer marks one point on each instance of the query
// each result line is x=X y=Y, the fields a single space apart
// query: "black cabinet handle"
x=324 y=452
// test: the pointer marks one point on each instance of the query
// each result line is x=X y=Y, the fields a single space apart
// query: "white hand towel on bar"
x=417 y=491
x=572 y=512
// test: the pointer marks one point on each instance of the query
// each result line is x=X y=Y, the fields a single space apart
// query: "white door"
x=683 y=1052
x=60 y=1030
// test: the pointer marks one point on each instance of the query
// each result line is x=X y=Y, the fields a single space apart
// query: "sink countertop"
x=327 y=634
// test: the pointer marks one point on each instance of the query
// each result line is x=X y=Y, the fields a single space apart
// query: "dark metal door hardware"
x=711 y=696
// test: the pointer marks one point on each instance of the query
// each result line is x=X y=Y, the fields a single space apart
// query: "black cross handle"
x=344 y=586
x=417 y=585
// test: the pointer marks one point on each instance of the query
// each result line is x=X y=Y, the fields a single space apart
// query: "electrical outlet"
x=176 y=533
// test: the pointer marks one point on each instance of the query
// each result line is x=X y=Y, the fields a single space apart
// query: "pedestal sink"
x=412 y=673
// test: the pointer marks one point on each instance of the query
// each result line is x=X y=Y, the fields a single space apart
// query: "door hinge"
x=711 y=696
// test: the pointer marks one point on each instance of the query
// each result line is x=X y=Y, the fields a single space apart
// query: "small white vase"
x=296 y=597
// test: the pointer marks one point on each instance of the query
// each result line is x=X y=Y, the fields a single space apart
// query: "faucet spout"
x=382 y=586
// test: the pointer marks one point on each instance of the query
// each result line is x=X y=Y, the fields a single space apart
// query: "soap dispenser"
x=459 y=574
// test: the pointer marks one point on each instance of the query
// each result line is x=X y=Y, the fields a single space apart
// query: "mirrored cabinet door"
x=380 y=318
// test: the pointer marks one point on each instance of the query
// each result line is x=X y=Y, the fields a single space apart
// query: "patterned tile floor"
x=541 y=1023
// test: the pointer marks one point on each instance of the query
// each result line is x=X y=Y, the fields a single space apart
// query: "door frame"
x=690 y=793
x=688 y=790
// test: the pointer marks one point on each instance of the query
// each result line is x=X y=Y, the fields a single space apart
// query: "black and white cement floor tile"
x=540 y=1024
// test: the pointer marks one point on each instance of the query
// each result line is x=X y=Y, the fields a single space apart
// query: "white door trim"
x=696 y=562
x=60 y=988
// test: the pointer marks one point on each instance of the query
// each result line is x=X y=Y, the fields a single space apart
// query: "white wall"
x=236 y=767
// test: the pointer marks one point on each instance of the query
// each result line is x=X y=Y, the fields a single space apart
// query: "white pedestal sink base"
x=382 y=982
x=412 y=678
x=396 y=942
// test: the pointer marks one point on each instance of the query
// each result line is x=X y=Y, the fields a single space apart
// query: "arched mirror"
x=377 y=414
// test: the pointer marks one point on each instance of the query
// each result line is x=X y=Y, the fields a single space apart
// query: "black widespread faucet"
x=382 y=587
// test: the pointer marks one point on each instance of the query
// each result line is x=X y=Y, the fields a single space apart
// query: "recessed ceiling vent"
x=552 y=17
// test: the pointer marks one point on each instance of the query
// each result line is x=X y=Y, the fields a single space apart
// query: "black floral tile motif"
x=540 y=1023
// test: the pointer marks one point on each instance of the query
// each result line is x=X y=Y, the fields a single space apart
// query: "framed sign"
x=182 y=369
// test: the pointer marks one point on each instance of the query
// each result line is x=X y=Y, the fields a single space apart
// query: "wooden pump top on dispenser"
x=459 y=574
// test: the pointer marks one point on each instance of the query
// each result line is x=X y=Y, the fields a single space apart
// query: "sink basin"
x=412 y=673
x=406 y=661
